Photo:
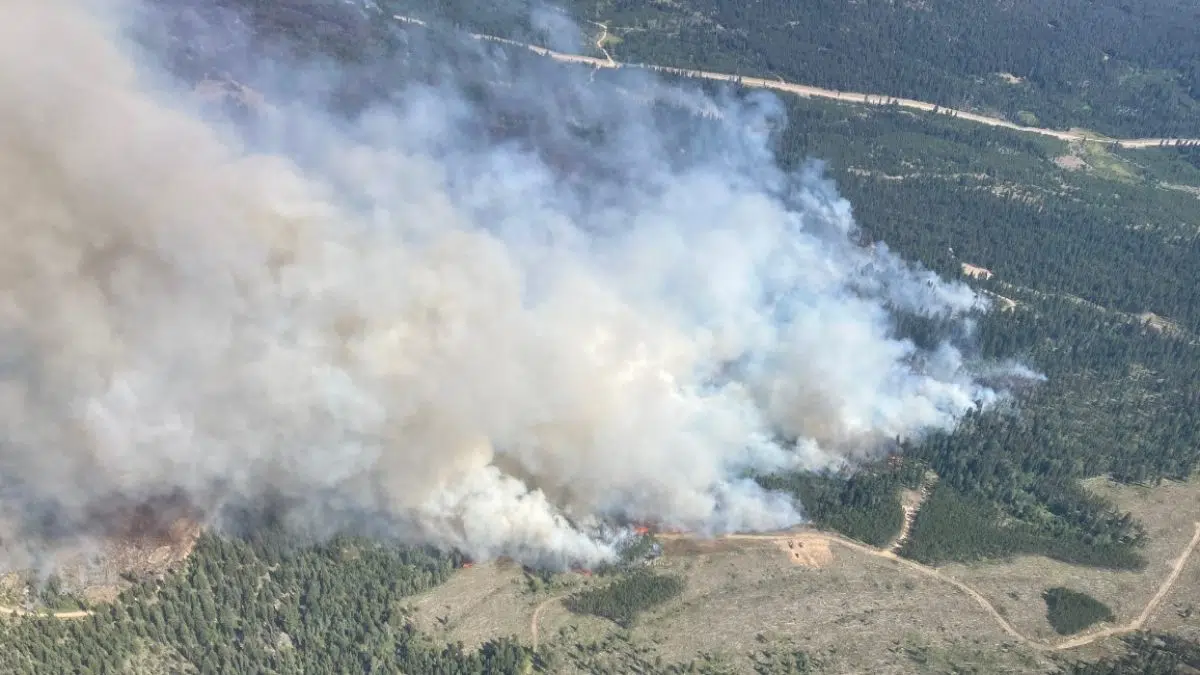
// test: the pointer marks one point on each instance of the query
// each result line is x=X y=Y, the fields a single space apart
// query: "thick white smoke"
x=442 y=335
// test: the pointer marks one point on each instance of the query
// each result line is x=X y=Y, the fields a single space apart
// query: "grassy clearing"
x=1161 y=165
x=1105 y=164
x=611 y=40
x=853 y=615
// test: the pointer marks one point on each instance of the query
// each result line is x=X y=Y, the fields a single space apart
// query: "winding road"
x=1078 y=641
x=819 y=92
x=889 y=554
x=1071 y=643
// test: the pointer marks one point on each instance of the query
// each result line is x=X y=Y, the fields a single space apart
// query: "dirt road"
x=1071 y=643
x=911 y=504
x=537 y=614
x=17 y=611
x=1151 y=606
x=818 y=92
x=600 y=42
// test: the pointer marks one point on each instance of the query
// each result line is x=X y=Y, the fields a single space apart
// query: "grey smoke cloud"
x=401 y=317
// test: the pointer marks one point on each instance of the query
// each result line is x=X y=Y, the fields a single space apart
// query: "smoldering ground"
x=422 y=287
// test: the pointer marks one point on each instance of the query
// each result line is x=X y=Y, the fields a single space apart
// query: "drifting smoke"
x=404 y=323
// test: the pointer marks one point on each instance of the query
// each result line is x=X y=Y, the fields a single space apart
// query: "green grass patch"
x=1071 y=611
x=1106 y=164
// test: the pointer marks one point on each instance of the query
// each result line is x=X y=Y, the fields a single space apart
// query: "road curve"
x=1150 y=607
x=537 y=614
x=818 y=92
x=1071 y=643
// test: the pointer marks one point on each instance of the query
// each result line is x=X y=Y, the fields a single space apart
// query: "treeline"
x=622 y=600
x=263 y=606
x=863 y=505
x=953 y=527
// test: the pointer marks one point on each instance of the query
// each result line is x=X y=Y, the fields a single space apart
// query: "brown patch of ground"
x=1007 y=304
x=807 y=550
x=976 y=272
x=860 y=610
x=910 y=502
x=100 y=594
x=1158 y=323
x=688 y=546
x=96 y=572
x=137 y=556
x=1070 y=162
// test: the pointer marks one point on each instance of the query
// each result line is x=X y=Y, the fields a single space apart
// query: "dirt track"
x=76 y=614
x=818 y=92
x=537 y=613
x=1071 y=643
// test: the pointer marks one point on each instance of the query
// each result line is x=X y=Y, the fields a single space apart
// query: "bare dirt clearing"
x=1070 y=162
x=807 y=550
x=976 y=272
x=910 y=502
x=1007 y=304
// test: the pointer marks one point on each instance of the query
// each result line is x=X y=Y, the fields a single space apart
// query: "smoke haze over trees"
x=1120 y=68
x=374 y=305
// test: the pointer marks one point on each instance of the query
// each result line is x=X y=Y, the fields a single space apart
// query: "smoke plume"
x=372 y=309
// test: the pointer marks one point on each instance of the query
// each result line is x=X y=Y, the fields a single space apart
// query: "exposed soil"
x=976 y=272
x=1070 y=162
x=806 y=550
